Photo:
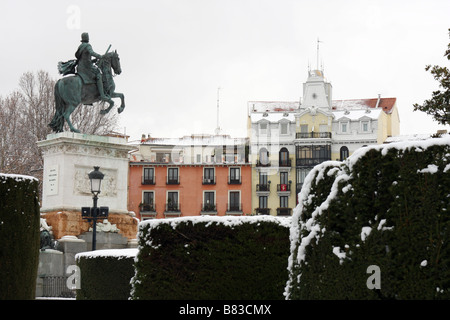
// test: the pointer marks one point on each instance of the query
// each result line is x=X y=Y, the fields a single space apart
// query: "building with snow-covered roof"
x=192 y=175
x=288 y=138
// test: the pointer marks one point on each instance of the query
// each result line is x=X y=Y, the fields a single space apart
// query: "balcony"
x=173 y=207
x=208 y=208
x=147 y=208
x=284 y=163
x=284 y=211
x=147 y=211
x=208 y=180
x=265 y=163
x=262 y=211
x=313 y=135
x=263 y=187
x=148 y=180
x=284 y=187
x=310 y=162
x=234 y=208
x=234 y=180
x=173 y=180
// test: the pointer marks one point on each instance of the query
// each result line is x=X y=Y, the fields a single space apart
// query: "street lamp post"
x=94 y=213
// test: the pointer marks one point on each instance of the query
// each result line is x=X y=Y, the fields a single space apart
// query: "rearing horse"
x=70 y=92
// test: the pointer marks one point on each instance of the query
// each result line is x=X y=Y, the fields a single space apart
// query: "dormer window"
x=263 y=128
x=284 y=128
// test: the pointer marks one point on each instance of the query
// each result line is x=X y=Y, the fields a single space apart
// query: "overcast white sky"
x=176 y=53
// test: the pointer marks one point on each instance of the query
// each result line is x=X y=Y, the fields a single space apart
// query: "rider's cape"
x=67 y=67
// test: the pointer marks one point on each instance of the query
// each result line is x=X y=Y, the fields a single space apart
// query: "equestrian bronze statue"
x=87 y=79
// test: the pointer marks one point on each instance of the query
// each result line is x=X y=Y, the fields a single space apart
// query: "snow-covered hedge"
x=19 y=236
x=105 y=274
x=375 y=226
x=212 y=258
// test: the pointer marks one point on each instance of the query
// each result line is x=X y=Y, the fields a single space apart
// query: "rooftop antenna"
x=217 y=127
x=318 y=41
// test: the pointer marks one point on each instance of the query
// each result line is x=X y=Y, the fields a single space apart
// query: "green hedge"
x=212 y=258
x=386 y=206
x=19 y=236
x=105 y=274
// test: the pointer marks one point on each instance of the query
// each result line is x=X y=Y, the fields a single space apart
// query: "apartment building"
x=288 y=138
x=188 y=176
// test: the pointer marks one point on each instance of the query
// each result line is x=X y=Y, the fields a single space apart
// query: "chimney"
x=378 y=101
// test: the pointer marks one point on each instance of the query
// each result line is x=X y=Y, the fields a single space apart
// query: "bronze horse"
x=70 y=92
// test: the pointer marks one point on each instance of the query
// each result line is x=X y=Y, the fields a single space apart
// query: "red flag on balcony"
x=283 y=187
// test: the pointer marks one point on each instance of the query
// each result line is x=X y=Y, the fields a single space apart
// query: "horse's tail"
x=57 y=122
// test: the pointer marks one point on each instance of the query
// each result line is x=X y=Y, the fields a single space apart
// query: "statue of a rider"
x=87 y=70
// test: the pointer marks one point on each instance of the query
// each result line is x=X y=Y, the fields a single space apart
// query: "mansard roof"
x=386 y=104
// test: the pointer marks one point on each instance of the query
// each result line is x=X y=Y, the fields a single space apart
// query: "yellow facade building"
x=288 y=138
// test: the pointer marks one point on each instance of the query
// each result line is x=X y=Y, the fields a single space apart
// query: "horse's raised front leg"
x=122 y=100
x=110 y=105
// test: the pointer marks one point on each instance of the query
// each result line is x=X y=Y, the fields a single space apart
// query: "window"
x=283 y=178
x=173 y=177
x=263 y=202
x=172 y=201
x=284 y=128
x=344 y=153
x=284 y=158
x=301 y=175
x=263 y=178
x=263 y=128
x=209 y=203
x=344 y=127
x=149 y=176
x=208 y=176
x=263 y=157
x=304 y=128
x=148 y=201
x=284 y=202
x=323 y=128
x=235 y=176
x=199 y=158
x=365 y=126
x=263 y=183
x=234 y=201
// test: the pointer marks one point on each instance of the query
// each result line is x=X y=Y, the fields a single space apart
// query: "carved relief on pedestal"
x=82 y=184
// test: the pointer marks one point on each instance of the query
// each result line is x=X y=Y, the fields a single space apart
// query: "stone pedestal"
x=105 y=240
x=50 y=265
x=69 y=157
x=71 y=245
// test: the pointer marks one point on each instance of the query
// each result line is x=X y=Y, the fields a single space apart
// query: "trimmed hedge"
x=212 y=258
x=105 y=274
x=386 y=206
x=19 y=236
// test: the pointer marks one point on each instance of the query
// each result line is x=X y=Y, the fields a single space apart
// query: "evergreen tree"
x=439 y=104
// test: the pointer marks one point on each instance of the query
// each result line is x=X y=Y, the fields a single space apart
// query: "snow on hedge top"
x=115 y=253
x=311 y=226
x=230 y=221
x=418 y=145
x=17 y=177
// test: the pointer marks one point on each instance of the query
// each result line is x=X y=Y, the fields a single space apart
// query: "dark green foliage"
x=105 y=277
x=408 y=212
x=19 y=236
x=439 y=104
x=212 y=261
